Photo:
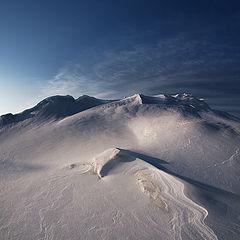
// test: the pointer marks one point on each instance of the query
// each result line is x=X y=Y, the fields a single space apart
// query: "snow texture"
x=142 y=167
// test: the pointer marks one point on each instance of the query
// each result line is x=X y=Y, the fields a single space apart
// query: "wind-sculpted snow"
x=142 y=167
x=151 y=190
x=103 y=163
x=81 y=168
x=163 y=190
x=188 y=217
x=108 y=160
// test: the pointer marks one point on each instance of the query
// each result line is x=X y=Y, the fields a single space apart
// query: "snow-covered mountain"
x=142 y=167
x=55 y=107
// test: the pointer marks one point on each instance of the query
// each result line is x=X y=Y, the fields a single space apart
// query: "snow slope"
x=55 y=107
x=143 y=167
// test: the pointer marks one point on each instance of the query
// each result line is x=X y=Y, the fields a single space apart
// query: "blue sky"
x=111 y=49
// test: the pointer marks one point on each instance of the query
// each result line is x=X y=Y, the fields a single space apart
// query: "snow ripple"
x=81 y=168
x=187 y=217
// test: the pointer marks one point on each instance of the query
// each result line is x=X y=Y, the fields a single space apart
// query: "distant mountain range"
x=58 y=107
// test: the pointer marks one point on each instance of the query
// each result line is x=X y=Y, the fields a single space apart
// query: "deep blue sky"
x=112 y=49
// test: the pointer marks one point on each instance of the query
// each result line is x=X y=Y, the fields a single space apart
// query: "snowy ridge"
x=106 y=158
x=188 y=217
x=179 y=100
x=59 y=107
x=55 y=107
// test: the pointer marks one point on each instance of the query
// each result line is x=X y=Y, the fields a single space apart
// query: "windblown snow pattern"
x=142 y=167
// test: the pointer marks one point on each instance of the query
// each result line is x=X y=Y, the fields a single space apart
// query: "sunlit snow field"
x=160 y=167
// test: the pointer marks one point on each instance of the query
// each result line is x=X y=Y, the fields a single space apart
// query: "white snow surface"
x=143 y=167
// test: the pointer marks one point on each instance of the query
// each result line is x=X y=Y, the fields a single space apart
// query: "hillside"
x=142 y=167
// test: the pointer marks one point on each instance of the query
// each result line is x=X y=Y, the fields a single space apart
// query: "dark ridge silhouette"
x=58 y=107
x=55 y=107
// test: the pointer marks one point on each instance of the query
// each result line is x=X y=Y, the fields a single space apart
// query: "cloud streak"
x=170 y=65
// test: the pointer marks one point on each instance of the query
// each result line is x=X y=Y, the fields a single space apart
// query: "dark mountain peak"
x=54 y=107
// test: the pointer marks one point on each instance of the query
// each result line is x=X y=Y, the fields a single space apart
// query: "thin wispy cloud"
x=170 y=65
x=68 y=80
